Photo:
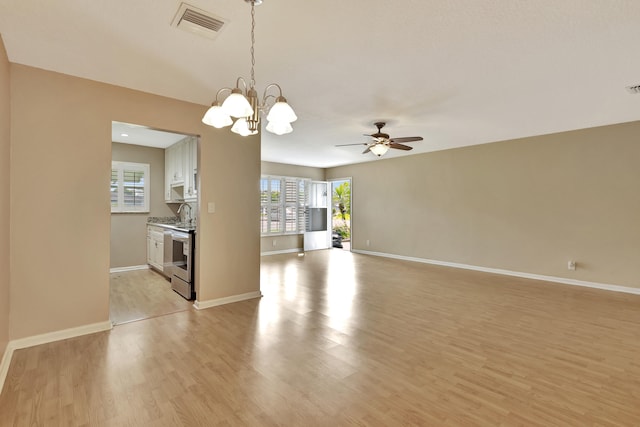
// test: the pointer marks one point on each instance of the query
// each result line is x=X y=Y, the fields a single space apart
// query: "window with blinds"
x=282 y=205
x=130 y=187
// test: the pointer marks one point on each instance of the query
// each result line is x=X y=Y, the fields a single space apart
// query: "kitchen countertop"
x=178 y=226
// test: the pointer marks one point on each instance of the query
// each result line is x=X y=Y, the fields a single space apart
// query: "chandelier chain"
x=253 y=41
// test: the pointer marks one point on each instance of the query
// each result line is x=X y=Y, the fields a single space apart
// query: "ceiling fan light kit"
x=244 y=105
x=381 y=142
x=379 y=149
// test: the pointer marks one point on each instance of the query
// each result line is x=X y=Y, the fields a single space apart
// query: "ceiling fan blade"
x=347 y=145
x=407 y=139
x=367 y=150
x=400 y=146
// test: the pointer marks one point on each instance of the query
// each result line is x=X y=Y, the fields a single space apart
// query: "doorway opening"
x=318 y=228
x=341 y=213
x=141 y=194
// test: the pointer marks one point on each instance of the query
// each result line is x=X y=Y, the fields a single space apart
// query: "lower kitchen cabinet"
x=155 y=247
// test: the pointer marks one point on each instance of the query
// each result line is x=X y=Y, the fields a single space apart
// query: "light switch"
x=211 y=208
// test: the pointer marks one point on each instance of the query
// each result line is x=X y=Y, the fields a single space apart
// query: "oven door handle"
x=180 y=237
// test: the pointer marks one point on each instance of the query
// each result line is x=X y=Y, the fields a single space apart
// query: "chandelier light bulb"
x=241 y=127
x=216 y=117
x=281 y=112
x=237 y=105
x=280 y=128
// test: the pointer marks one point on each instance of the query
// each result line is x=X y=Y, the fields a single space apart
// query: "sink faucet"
x=186 y=205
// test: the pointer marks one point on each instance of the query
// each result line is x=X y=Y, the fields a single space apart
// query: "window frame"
x=122 y=167
x=286 y=210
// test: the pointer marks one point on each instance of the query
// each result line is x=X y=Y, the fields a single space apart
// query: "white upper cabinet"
x=172 y=189
x=177 y=158
x=191 y=169
x=181 y=164
x=168 y=174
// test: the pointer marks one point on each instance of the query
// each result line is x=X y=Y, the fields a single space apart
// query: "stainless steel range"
x=179 y=258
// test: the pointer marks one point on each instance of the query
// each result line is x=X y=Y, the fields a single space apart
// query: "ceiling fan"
x=381 y=142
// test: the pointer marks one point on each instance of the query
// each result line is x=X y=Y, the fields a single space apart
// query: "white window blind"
x=282 y=205
x=130 y=187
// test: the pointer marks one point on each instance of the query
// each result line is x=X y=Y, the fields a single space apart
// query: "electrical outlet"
x=273 y=242
x=571 y=265
x=368 y=242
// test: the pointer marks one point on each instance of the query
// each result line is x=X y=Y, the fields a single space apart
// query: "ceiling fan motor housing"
x=379 y=134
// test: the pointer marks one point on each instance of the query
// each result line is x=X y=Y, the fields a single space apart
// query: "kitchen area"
x=153 y=232
x=171 y=253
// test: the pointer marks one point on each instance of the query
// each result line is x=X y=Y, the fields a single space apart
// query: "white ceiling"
x=457 y=72
x=128 y=133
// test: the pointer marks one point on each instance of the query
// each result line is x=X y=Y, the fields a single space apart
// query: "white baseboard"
x=132 y=268
x=60 y=335
x=44 y=339
x=4 y=365
x=285 y=251
x=201 y=305
x=554 y=279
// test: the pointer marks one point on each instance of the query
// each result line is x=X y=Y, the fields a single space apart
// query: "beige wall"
x=527 y=205
x=5 y=135
x=129 y=230
x=288 y=242
x=61 y=135
x=228 y=243
x=282 y=169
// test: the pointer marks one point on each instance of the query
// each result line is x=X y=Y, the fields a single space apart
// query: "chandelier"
x=243 y=104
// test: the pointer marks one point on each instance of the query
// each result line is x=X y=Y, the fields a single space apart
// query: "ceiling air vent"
x=198 y=21
x=633 y=89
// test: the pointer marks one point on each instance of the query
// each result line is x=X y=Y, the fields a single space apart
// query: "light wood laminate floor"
x=141 y=294
x=344 y=339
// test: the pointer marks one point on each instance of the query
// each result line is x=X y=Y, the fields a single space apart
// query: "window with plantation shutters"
x=282 y=205
x=130 y=187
